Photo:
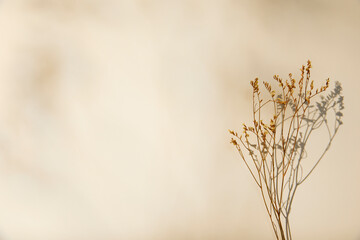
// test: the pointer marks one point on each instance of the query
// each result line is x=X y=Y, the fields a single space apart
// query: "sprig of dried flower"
x=276 y=147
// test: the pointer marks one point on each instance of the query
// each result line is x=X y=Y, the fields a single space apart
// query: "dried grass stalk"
x=273 y=150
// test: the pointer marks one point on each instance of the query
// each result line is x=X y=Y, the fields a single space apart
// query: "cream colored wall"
x=114 y=116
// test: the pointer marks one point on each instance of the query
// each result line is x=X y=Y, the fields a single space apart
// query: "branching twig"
x=277 y=147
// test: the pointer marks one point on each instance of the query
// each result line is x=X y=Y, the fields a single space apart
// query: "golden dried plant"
x=274 y=150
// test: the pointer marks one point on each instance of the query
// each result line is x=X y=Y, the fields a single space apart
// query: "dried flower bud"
x=255 y=85
x=309 y=64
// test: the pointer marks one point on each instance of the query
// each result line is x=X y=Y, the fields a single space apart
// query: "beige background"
x=114 y=116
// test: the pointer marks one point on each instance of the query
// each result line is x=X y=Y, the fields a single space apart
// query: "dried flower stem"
x=277 y=148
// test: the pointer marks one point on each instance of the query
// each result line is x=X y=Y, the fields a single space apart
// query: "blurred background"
x=114 y=117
